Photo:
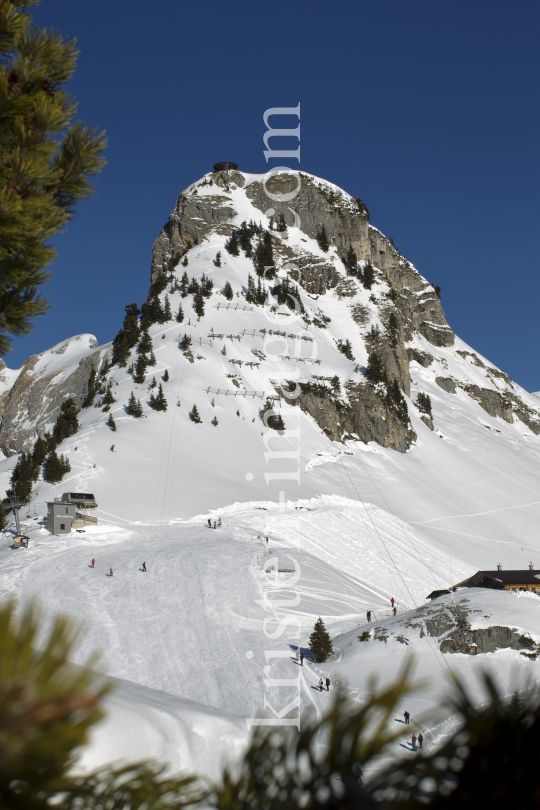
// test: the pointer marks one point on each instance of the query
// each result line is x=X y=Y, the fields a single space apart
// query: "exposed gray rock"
x=447 y=384
x=427 y=420
x=366 y=417
x=30 y=408
x=423 y=358
x=493 y=402
x=485 y=640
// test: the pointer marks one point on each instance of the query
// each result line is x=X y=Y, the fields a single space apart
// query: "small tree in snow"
x=424 y=403
x=217 y=260
x=194 y=415
x=166 y=375
x=368 y=276
x=228 y=291
x=111 y=423
x=323 y=240
x=320 y=642
x=214 y=421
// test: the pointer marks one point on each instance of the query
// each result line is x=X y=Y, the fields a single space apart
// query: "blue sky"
x=427 y=110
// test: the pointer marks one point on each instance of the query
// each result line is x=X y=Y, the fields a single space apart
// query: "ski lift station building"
x=63 y=515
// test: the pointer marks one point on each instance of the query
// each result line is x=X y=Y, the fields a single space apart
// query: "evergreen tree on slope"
x=320 y=642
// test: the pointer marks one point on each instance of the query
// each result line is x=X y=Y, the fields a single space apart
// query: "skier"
x=219 y=522
x=110 y=569
x=301 y=659
x=328 y=684
x=368 y=614
x=209 y=524
x=267 y=542
x=395 y=610
x=406 y=715
x=392 y=601
x=215 y=525
x=144 y=566
x=358 y=772
x=93 y=562
x=413 y=742
x=320 y=684
x=420 y=740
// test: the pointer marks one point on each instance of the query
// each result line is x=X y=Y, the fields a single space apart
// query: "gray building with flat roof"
x=60 y=516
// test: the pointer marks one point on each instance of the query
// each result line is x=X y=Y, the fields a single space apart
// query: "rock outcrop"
x=31 y=405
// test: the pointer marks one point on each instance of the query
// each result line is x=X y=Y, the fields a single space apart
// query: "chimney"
x=531 y=566
x=499 y=567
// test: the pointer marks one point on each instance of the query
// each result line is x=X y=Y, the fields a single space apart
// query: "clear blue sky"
x=427 y=110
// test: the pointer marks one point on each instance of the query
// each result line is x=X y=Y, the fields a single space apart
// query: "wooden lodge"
x=512 y=580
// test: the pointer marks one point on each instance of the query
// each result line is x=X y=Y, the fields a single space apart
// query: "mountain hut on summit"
x=63 y=515
x=512 y=580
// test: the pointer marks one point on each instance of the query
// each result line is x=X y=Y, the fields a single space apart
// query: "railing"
x=241 y=393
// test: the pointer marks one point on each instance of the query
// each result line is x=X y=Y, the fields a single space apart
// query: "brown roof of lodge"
x=526 y=576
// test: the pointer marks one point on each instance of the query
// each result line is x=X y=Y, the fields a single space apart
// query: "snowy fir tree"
x=368 y=276
x=320 y=642
x=23 y=476
x=92 y=388
x=351 y=261
x=108 y=399
x=198 y=305
x=167 y=309
x=375 y=371
x=158 y=402
x=231 y=245
x=140 y=369
x=153 y=383
x=214 y=421
x=184 y=284
x=194 y=415
x=111 y=423
x=67 y=423
x=323 y=240
x=134 y=407
x=39 y=451
x=55 y=468
x=145 y=343
x=424 y=403
x=217 y=260
x=185 y=262
x=166 y=375
x=228 y=291
x=152 y=359
x=346 y=349
x=127 y=337
x=180 y=314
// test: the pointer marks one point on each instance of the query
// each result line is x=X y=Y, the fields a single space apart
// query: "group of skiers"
x=415 y=739
x=216 y=525
x=93 y=565
x=393 y=605
x=321 y=684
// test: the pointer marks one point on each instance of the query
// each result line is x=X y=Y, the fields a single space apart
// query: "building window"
x=66 y=510
x=62 y=526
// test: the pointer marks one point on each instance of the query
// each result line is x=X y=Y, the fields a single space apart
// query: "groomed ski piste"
x=187 y=641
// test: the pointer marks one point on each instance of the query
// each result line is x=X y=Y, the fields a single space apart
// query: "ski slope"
x=192 y=642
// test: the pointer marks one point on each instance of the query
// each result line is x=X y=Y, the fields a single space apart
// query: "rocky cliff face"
x=31 y=403
x=400 y=319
